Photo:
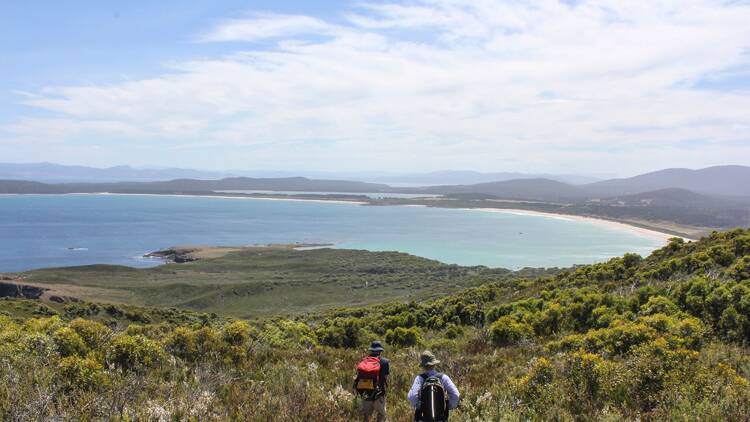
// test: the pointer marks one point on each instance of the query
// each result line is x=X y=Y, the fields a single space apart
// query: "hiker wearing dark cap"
x=433 y=393
x=371 y=381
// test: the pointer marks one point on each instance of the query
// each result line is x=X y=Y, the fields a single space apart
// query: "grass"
x=264 y=281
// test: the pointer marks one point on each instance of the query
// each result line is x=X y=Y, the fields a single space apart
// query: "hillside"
x=193 y=186
x=680 y=206
x=269 y=281
x=466 y=177
x=674 y=197
x=24 y=187
x=657 y=338
x=537 y=189
x=678 y=211
x=680 y=198
x=718 y=180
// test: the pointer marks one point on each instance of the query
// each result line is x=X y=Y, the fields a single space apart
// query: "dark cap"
x=376 y=347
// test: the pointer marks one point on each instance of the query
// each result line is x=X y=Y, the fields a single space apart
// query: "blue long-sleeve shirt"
x=450 y=388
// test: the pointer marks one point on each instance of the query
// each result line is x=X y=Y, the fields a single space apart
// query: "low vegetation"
x=264 y=281
x=658 y=338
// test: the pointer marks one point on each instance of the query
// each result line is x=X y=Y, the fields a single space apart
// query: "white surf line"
x=650 y=233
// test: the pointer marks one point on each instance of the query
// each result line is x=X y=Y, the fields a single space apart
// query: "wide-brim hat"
x=427 y=359
x=376 y=347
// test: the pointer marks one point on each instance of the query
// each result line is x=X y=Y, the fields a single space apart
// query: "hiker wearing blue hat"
x=371 y=381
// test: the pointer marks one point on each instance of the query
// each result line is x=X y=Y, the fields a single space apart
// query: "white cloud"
x=265 y=26
x=542 y=86
x=57 y=130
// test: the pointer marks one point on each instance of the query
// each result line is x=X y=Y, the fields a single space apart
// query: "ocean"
x=39 y=231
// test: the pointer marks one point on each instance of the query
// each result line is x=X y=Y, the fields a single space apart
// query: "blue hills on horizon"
x=729 y=180
x=58 y=173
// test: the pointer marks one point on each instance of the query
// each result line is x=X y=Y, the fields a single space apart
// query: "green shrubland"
x=257 y=282
x=663 y=337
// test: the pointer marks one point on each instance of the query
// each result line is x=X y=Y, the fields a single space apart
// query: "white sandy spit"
x=652 y=234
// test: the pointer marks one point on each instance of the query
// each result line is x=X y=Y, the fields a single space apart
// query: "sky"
x=586 y=87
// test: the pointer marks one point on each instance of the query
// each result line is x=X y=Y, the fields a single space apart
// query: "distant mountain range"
x=193 y=186
x=713 y=181
x=56 y=173
x=725 y=181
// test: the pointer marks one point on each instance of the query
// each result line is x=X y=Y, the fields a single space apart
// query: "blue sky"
x=46 y=43
x=423 y=85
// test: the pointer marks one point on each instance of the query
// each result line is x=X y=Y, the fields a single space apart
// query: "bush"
x=134 y=353
x=615 y=340
x=43 y=325
x=741 y=269
x=37 y=344
x=401 y=336
x=650 y=369
x=722 y=255
x=341 y=332
x=531 y=387
x=453 y=331
x=81 y=373
x=733 y=326
x=92 y=332
x=659 y=305
x=741 y=245
x=69 y=343
x=181 y=343
x=583 y=378
x=622 y=336
x=631 y=260
x=208 y=343
x=297 y=333
x=506 y=332
x=236 y=333
x=549 y=321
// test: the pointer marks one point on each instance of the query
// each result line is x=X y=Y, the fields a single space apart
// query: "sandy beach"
x=652 y=234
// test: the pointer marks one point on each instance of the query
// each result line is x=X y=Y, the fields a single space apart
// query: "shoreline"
x=616 y=225
x=652 y=233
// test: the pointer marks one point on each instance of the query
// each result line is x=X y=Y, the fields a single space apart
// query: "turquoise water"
x=62 y=230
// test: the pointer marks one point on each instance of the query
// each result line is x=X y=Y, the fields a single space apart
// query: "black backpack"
x=433 y=401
